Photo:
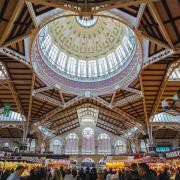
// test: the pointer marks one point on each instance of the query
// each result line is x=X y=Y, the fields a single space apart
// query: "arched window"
x=120 y=147
x=88 y=144
x=72 y=144
x=57 y=145
x=104 y=144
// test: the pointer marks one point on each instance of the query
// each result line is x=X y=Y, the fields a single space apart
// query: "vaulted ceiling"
x=157 y=22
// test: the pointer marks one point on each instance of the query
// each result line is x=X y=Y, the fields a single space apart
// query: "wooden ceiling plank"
x=164 y=82
x=14 y=15
x=161 y=25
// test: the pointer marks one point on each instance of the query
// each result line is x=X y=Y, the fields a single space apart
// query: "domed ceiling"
x=87 y=55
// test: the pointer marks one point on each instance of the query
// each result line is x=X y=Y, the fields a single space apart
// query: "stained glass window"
x=71 y=144
x=104 y=144
x=88 y=142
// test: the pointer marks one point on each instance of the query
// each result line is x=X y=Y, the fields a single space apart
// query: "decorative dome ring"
x=78 y=84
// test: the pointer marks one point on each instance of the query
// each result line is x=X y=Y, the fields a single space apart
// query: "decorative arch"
x=72 y=141
x=104 y=144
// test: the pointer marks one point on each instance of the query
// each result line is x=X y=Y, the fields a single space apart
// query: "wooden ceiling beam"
x=13 y=91
x=145 y=109
x=80 y=7
x=115 y=109
x=120 y=5
x=161 y=25
x=154 y=40
x=54 y=5
x=140 y=15
x=32 y=13
x=30 y=107
x=17 y=39
x=15 y=55
x=10 y=24
x=126 y=100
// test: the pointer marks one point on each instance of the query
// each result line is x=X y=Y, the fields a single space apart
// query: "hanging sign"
x=173 y=154
x=7 y=109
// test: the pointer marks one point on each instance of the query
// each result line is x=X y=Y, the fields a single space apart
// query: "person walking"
x=100 y=175
x=68 y=175
x=164 y=175
x=57 y=175
x=17 y=174
x=145 y=173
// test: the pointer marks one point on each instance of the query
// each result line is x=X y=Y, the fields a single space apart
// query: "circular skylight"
x=83 y=53
x=87 y=54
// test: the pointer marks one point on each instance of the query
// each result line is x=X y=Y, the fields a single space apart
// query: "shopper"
x=165 y=175
x=74 y=174
x=108 y=177
x=68 y=175
x=49 y=175
x=62 y=171
x=105 y=173
x=114 y=176
x=17 y=174
x=5 y=174
x=100 y=175
x=87 y=174
x=93 y=174
x=121 y=175
x=133 y=173
x=177 y=177
x=145 y=173
x=57 y=175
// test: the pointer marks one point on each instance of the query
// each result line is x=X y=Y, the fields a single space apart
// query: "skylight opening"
x=13 y=116
x=175 y=76
x=3 y=72
x=165 y=117
x=46 y=131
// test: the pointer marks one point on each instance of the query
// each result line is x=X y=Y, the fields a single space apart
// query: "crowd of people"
x=136 y=172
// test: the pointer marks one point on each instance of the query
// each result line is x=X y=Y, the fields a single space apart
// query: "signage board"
x=173 y=154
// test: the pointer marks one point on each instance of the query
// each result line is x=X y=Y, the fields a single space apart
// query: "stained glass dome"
x=79 y=54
